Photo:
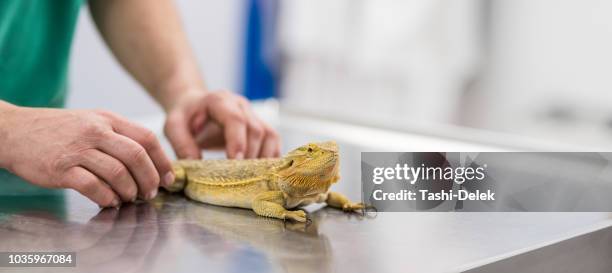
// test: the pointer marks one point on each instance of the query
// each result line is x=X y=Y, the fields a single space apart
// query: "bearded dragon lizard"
x=270 y=187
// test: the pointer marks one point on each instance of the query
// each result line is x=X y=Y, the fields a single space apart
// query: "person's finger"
x=147 y=140
x=255 y=132
x=197 y=122
x=136 y=159
x=113 y=172
x=211 y=136
x=178 y=133
x=271 y=143
x=91 y=187
x=234 y=125
x=276 y=139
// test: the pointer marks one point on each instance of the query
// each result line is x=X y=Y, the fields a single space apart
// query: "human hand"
x=200 y=120
x=99 y=154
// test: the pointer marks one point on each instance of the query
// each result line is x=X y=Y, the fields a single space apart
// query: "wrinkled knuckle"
x=82 y=155
x=118 y=172
x=138 y=154
x=57 y=165
x=62 y=163
x=87 y=186
x=94 y=130
x=256 y=131
x=89 y=128
x=148 y=140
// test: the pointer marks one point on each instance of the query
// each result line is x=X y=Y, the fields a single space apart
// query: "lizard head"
x=311 y=168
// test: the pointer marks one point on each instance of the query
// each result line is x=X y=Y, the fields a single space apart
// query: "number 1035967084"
x=16 y=259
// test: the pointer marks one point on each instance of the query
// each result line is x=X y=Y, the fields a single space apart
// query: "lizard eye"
x=309 y=150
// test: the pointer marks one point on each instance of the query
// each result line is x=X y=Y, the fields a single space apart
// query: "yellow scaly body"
x=268 y=186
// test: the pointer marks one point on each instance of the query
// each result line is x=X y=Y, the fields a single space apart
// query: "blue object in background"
x=260 y=58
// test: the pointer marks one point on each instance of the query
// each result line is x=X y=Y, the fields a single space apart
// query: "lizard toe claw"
x=350 y=207
x=297 y=215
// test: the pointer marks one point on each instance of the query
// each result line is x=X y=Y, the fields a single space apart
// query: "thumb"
x=178 y=133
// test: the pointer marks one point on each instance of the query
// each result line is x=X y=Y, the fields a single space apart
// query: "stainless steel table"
x=172 y=234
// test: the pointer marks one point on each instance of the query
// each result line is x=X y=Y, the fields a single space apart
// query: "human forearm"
x=148 y=40
x=6 y=110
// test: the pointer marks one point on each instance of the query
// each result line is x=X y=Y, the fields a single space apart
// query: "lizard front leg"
x=180 y=178
x=270 y=204
x=338 y=200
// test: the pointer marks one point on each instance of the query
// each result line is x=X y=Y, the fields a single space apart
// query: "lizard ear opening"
x=287 y=164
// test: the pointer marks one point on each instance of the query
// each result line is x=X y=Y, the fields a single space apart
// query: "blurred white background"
x=549 y=72
x=536 y=69
x=379 y=60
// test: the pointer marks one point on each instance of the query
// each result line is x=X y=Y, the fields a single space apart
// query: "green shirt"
x=35 y=39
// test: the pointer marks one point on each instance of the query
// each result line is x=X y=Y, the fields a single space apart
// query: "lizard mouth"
x=331 y=166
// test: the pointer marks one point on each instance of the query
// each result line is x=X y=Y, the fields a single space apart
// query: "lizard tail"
x=180 y=179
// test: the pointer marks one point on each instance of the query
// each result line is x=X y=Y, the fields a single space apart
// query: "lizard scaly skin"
x=270 y=187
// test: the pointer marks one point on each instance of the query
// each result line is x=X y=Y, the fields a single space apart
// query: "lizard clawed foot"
x=352 y=207
x=296 y=215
